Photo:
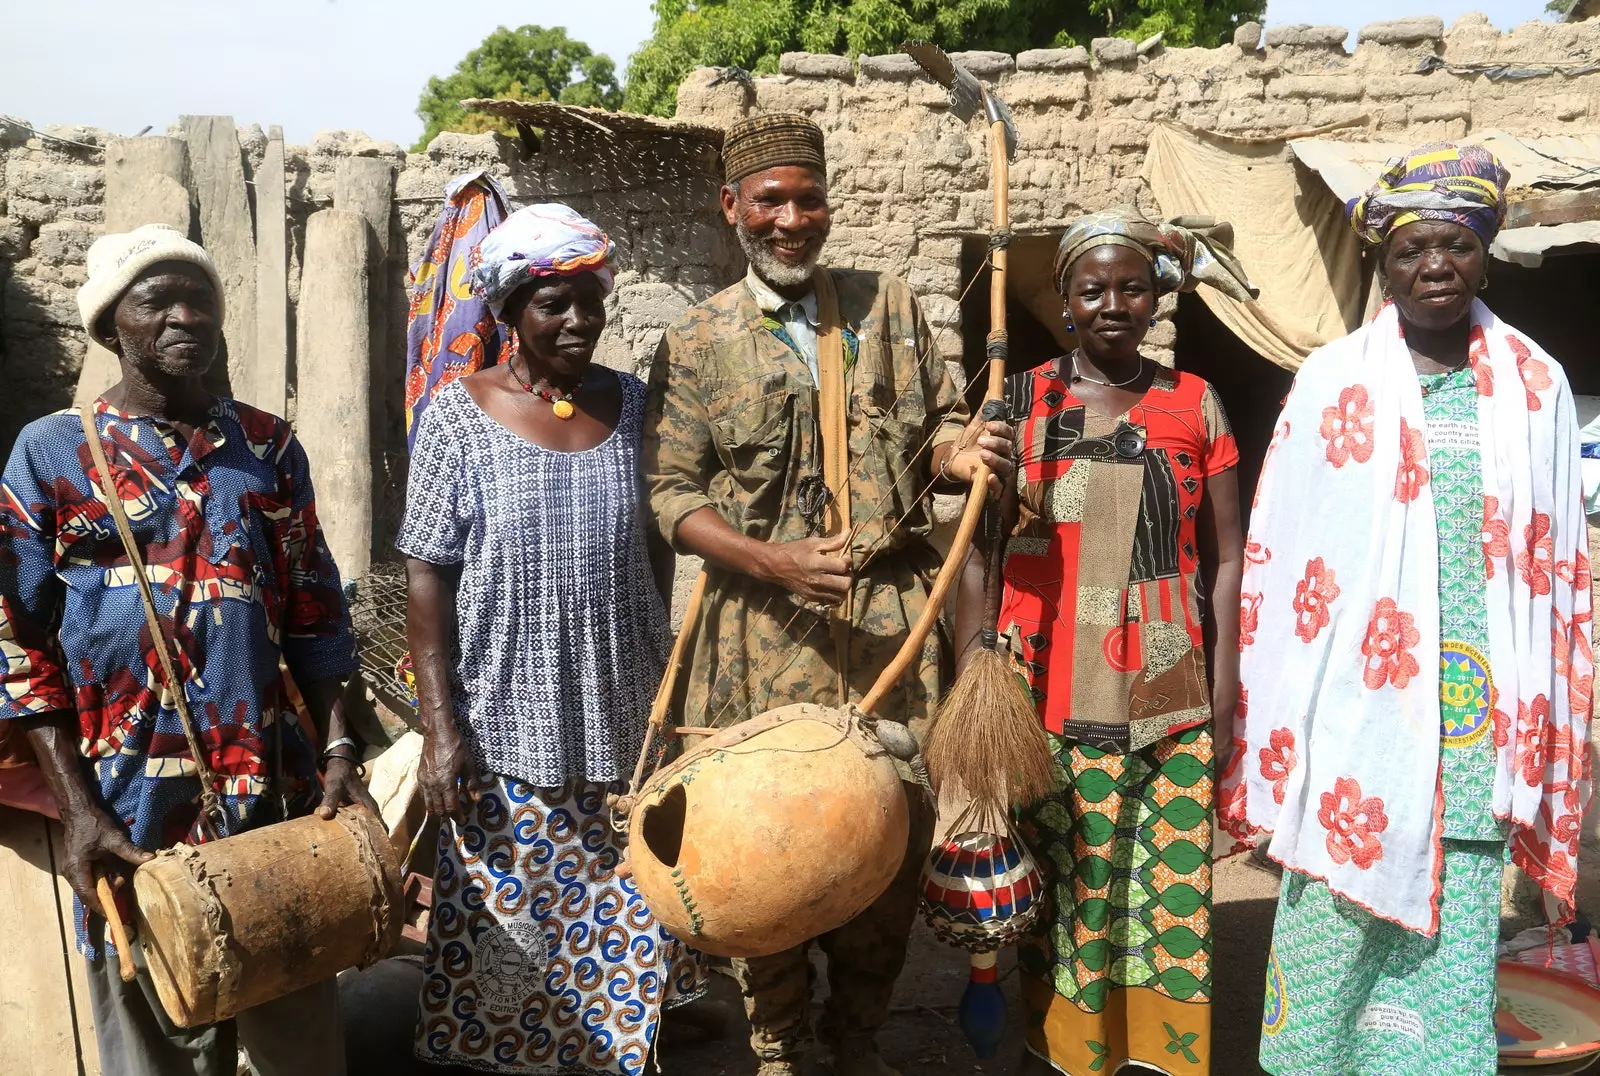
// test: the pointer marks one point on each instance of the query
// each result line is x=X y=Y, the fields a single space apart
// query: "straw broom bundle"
x=987 y=735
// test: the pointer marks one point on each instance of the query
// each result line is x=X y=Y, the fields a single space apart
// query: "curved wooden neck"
x=950 y=571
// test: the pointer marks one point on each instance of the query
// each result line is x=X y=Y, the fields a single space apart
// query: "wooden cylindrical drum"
x=248 y=919
x=770 y=832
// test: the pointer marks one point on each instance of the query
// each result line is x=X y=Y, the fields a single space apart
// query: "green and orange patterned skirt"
x=1120 y=968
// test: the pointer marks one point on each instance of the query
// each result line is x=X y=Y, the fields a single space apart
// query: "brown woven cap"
x=768 y=141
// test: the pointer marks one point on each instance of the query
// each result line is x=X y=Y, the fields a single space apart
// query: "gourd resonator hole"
x=663 y=826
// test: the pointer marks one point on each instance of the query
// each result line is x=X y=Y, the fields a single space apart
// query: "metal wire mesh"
x=378 y=610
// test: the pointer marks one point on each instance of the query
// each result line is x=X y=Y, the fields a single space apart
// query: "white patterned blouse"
x=562 y=633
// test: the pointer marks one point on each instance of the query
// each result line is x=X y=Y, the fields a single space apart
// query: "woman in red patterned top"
x=1126 y=517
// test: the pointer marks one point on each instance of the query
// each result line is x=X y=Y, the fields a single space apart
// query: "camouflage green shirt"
x=732 y=424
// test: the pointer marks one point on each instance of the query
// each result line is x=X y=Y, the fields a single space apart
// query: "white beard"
x=766 y=264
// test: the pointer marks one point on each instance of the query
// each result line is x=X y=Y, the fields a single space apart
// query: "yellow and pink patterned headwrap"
x=549 y=239
x=1436 y=181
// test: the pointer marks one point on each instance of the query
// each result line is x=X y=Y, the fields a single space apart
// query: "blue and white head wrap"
x=549 y=239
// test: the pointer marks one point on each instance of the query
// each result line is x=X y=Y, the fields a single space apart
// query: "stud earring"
x=1152 y=323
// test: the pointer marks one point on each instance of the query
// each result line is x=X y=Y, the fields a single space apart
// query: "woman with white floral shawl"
x=1416 y=665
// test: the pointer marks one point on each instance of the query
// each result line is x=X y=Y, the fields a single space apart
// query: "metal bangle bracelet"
x=343 y=741
x=360 y=767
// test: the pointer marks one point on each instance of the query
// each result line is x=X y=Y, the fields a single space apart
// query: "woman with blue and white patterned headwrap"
x=538 y=633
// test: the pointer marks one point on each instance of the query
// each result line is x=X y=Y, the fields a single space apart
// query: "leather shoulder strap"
x=833 y=401
x=834 y=423
x=212 y=818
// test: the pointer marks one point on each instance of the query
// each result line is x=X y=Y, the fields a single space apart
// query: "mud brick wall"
x=671 y=250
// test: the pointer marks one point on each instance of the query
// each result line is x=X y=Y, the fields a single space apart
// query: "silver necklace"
x=1078 y=375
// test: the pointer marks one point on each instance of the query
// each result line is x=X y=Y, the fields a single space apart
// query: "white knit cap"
x=117 y=261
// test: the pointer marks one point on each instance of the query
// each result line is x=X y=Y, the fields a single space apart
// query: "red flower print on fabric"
x=1580 y=766
x=1236 y=752
x=1412 y=473
x=1546 y=866
x=1353 y=824
x=1535 y=374
x=1279 y=435
x=1536 y=562
x=1230 y=794
x=1478 y=356
x=1534 y=743
x=1231 y=808
x=1391 y=633
x=1496 y=535
x=1347 y=427
x=1575 y=572
x=1278 y=761
x=1249 y=619
x=1502 y=720
x=1562 y=752
x=1573 y=653
x=1312 y=596
x=1563 y=827
x=1256 y=553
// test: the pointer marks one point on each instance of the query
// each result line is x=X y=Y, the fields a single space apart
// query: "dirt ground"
x=922 y=1039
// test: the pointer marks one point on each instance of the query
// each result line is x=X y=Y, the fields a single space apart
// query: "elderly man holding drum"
x=209 y=569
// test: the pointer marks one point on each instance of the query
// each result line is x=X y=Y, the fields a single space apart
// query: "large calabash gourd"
x=771 y=832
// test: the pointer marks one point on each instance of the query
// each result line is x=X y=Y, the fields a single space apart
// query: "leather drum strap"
x=833 y=420
x=211 y=816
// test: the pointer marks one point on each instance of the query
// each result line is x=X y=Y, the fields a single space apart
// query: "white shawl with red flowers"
x=1336 y=743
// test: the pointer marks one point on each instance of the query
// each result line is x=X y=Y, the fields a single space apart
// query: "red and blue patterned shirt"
x=242 y=578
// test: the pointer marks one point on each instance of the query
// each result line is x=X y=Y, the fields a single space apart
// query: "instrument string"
x=873 y=513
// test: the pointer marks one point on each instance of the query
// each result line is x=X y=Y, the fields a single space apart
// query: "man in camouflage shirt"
x=733 y=460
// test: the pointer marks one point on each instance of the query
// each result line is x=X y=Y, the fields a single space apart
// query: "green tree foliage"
x=529 y=63
x=752 y=34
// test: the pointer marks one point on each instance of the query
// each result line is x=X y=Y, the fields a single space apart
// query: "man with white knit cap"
x=218 y=498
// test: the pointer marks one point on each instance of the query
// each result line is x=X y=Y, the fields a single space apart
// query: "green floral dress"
x=1349 y=994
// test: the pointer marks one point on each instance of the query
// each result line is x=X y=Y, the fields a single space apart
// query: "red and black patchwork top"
x=1100 y=608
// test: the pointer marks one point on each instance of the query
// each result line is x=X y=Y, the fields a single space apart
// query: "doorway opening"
x=1251 y=388
x=1034 y=324
x=1550 y=305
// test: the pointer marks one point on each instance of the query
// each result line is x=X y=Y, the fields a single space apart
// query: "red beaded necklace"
x=561 y=404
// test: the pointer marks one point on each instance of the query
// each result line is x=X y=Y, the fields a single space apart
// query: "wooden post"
x=268 y=380
x=147 y=182
x=216 y=164
x=365 y=185
x=333 y=382
x=47 y=1026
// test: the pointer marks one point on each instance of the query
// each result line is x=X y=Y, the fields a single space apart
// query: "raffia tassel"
x=989 y=738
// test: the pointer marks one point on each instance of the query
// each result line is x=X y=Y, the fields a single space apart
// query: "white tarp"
x=1291 y=237
x=1562 y=162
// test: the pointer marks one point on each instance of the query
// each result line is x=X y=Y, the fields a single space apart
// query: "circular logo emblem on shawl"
x=1465 y=688
x=509 y=964
x=1277 y=1003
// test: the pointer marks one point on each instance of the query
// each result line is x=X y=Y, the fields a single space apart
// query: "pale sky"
x=312 y=65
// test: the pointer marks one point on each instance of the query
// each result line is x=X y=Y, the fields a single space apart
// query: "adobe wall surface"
x=908 y=180
x=670 y=250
